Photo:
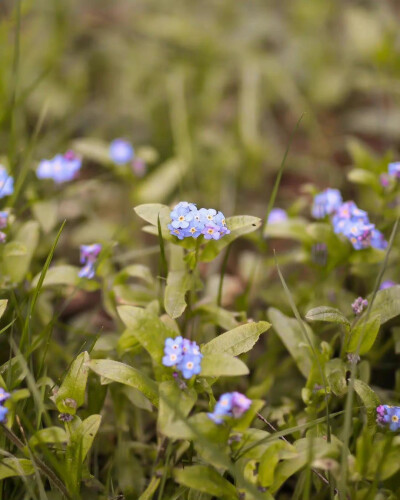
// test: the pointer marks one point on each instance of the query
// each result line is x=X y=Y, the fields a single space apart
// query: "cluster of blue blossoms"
x=187 y=221
x=348 y=219
x=230 y=404
x=3 y=410
x=61 y=168
x=89 y=254
x=183 y=354
x=389 y=416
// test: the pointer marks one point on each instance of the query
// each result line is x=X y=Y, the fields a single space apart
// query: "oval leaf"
x=222 y=365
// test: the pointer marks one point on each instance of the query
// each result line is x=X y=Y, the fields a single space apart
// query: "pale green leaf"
x=207 y=480
x=328 y=315
x=222 y=365
x=237 y=341
x=71 y=394
x=124 y=374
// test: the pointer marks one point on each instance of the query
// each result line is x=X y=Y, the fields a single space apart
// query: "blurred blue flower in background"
x=394 y=169
x=6 y=183
x=326 y=202
x=121 y=151
x=61 y=168
x=89 y=254
x=277 y=215
x=230 y=404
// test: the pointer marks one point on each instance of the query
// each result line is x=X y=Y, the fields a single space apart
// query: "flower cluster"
x=387 y=415
x=359 y=305
x=61 y=168
x=121 y=151
x=348 y=219
x=3 y=410
x=230 y=404
x=326 y=203
x=187 y=221
x=184 y=354
x=3 y=225
x=6 y=183
x=89 y=254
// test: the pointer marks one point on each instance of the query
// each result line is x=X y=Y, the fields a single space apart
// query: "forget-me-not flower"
x=326 y=203
x=183 y=354
x=89 y=254
x=61 y=168
x=121 y=151
x=277 y=215
x=6 y=183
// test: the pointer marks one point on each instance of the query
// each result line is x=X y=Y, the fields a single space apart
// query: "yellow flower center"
x=193 y=230
x=181 y=218
x=189 y=365
x=172 y=357
x=176 y=231
x=395 y=418
x=209 y=217
x=210 y=231
x=223 y=222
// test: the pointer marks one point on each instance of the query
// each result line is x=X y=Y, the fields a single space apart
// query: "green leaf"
x=365 y=178
x=335 y=371
x=147 y=328
x=46 y=213
x=239 y=226
x=295 y=229
x=3 y=306
x=80 y=442
x=15 y=256
x=207 y=480
x=138 y=271
x=175 y=405
x=93 y=149
x=290 y=333
x=386 y=305
x=59 y=275
x=178 y=284
x=368 y=331
x=237 y=341
x=18 y=254
x=48 y=435
x=12 y=466
x=217 y=315
x=270 y=460
x=71 y=394
x=162 y=181
x=150 y=213
x=328 y=315
x=222 y=365
x=124 y=374
x=369 y=399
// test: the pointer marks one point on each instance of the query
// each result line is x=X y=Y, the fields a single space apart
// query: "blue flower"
x=179 y=233
x=4 y=395
x=277 y=215
x=207 y=215
x=326 y=202
x=87 y=271
x=358 y=233
x=394 y=169
x=182 y=215
x=392 y=417
x=387 y=284
x=378 y=240
x=61 y=168
x=190 y=365
x=121 y=151
x=230 y=404
x=184 y=354
x=212 y=232
x=89 y=254
x=6 y=183
x=348 y=211
x=3 y=414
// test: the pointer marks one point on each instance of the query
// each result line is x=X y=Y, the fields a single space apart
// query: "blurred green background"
x=219 y=84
